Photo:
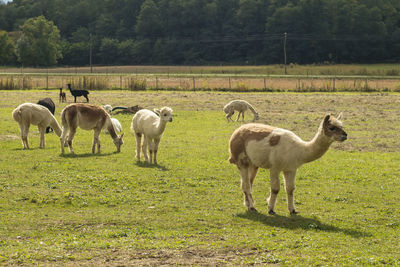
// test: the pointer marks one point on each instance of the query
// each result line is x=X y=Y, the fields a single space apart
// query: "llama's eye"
x=332 y=128
x=165 y=115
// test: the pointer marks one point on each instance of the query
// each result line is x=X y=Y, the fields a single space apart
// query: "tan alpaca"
x=29 y=113
x=87 y=117
x=241 y=106
x=255 y=145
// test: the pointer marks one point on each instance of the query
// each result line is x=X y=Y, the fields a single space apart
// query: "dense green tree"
x=40 y=43
x=148 y=21
x=6 y=48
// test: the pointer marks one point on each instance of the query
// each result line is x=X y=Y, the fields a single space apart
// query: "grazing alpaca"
x=256 y=145
x=63 y=97
x=76 y=93
x=152 y=127
x=241 y=106
x=49 y=104
x=116 y=124
x=29 y=113
x=128 y=110
x=87 y=117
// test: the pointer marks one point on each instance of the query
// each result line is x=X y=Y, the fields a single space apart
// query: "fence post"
x=120 y=82
x=194 y=84
x=47 y=80
x=156 y=82
x=333 y=84
x=229 y=79
x=265 y=85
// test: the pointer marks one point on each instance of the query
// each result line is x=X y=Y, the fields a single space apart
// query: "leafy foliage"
x=214 y=31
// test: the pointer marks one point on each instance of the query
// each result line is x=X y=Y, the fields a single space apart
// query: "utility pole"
x=90 y=53
x=284 y=50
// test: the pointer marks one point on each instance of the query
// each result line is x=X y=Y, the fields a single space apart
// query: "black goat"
x=76 y=93
x=49 y=104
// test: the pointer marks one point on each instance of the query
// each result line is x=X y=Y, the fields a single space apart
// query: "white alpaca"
x=117 y=126
x=255 y=145
x=87 y=117
x=146 y=122
x=29 y=113
x=241 y=106
x=108 y=108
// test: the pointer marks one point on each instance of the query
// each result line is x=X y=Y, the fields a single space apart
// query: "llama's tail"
x=115 y=108
x=16 y=114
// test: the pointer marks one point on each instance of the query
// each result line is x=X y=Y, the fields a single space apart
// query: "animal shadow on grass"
x=297 y=221
x=86 y=155
x=148 y=165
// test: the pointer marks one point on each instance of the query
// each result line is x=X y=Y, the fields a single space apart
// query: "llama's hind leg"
x=24 y=135
x=275 y=187
x=246 y=187
x=62 y=138
x=290 y=186
x=138 y=145
x=70 y=138
x=96 y=140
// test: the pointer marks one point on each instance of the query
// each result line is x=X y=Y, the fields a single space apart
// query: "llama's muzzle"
x=170 y=119
x=344 y=137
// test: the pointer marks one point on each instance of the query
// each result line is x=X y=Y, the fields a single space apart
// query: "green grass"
x=107 y=209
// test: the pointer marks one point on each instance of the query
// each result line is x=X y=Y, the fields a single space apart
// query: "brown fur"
x=244 y=134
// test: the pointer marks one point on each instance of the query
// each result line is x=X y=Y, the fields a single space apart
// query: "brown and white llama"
x=87 y=117
x=29 y=113
x=256 y=145
x=240 y=106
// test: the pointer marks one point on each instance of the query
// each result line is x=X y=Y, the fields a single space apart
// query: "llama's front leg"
x=151 y=150
x=246 y=187
x=238 y=116
x=275 y=187
x=156 y=143
x=144 y=149
x=138 y=145
x=42 y=131
x=290 y=186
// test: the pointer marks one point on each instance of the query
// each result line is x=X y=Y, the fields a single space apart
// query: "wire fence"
x=193 y=83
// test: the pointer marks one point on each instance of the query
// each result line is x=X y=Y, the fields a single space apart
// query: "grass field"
x=107 y=209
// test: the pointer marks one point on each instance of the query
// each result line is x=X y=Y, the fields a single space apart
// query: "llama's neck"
x=252 y=109
x=56 y=127
x=110 y=128
x=317 y=147
x=161 y=126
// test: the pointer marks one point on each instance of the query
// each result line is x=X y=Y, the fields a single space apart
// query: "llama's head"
x=256 y=116
x=333 y=128
x=165 y=113
x=118 y=142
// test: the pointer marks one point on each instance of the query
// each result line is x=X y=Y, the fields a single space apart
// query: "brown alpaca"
x=255 y=145
x=87 y=117
x=63 y=97
x=29 y=113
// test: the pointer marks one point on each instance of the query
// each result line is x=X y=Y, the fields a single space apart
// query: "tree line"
x=194 y=32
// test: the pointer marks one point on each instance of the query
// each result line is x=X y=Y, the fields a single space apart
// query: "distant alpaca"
x=29 y=113
x=146 y=122
x=241 y=106
x=257 y=145
x=87 y=117
x=128 y=110
x=76 y=93
x=63 y=97
x=48 y=103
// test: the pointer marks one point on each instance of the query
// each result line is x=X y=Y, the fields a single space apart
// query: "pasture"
x=109 y=210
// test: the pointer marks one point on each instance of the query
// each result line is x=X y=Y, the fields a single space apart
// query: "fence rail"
x=192 y=82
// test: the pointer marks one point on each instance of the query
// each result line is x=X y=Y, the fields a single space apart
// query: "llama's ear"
x=340 y=116
x=121 y=135
x=157 y=111
x=326 y=119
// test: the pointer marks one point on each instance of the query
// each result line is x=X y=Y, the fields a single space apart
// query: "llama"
x=241 y=106
x=29 y=113
x=117 y=126
x=108 y=108
x=152 y=127
x=256 y=145
x=62 y=96
x=76 y=93
x=49 y=104
x=87 y=117
x=128 y=110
